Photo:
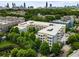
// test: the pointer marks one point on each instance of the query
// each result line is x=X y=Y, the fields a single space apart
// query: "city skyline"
x=40 y=3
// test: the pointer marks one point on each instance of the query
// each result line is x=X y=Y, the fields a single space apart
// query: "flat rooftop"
x=24 y=24
x=9 y=20
x=38 y=23
x=52 y=30
x=61 y=21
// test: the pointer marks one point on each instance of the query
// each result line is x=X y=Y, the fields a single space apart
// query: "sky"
x=40 y=3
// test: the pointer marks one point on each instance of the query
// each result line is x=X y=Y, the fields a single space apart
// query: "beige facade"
x=6 y=22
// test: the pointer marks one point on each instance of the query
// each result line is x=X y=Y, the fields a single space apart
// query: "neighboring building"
x=75 y=53
x=6 y=22
x=37 y=25
x=68 y=20
x=49 y=32
x=22 y=26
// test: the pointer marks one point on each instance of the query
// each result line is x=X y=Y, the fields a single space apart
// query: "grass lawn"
x=6 y=47
x=6 y=43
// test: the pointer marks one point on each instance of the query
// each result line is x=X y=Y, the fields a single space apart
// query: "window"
x=50 y=29
x=38 y=35
x=41 y=35
x=50 y=41
x=50 y=24
x=49 y=37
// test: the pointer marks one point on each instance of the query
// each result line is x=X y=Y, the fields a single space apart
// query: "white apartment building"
x=49 y=32
x=52 y=34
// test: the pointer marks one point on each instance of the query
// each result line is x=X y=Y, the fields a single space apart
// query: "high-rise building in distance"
x=7 y=5
x=50 y=5
x=77 y=5
x=24 y=5
x=46 y=4
x=13 y=5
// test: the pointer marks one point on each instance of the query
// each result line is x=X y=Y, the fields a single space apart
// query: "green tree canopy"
x=49 y=18
x=27 y=45
x=38 y=43
x=1 y=34
x=14 y=29
x=21 y=53
x=21 y=41
x=32 y=36
x=57 y=16
x=14 y=52
x=56 y=48
x=12 y=36
x=32 y=29
x=75 y=45
x=72 y=38
x=31 y=53
x=22 y=34
x=44 y=48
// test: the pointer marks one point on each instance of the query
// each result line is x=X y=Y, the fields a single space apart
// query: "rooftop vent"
x=31 y=22
x=50 y=29
x=50 y=24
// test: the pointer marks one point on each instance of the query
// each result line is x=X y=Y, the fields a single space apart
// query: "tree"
x=72 y=38
x=44 y=48
x=32 y=36
x=31 y=53
x=56 y=48
x=49 y=18
x=21 y=40
x=1 y=34
x=75 y=45
x=14 y=52
x=12 y=36
x=38 y=43
x=22 y=34
x=32 y=29
x=21 y=53
x=57 y=16
x=11 y=30
x=33 y=44
x=14 y=29
x=26 y=35
x=77 y=36
x=27 y=16
x=37 y=18
x=27 y=45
